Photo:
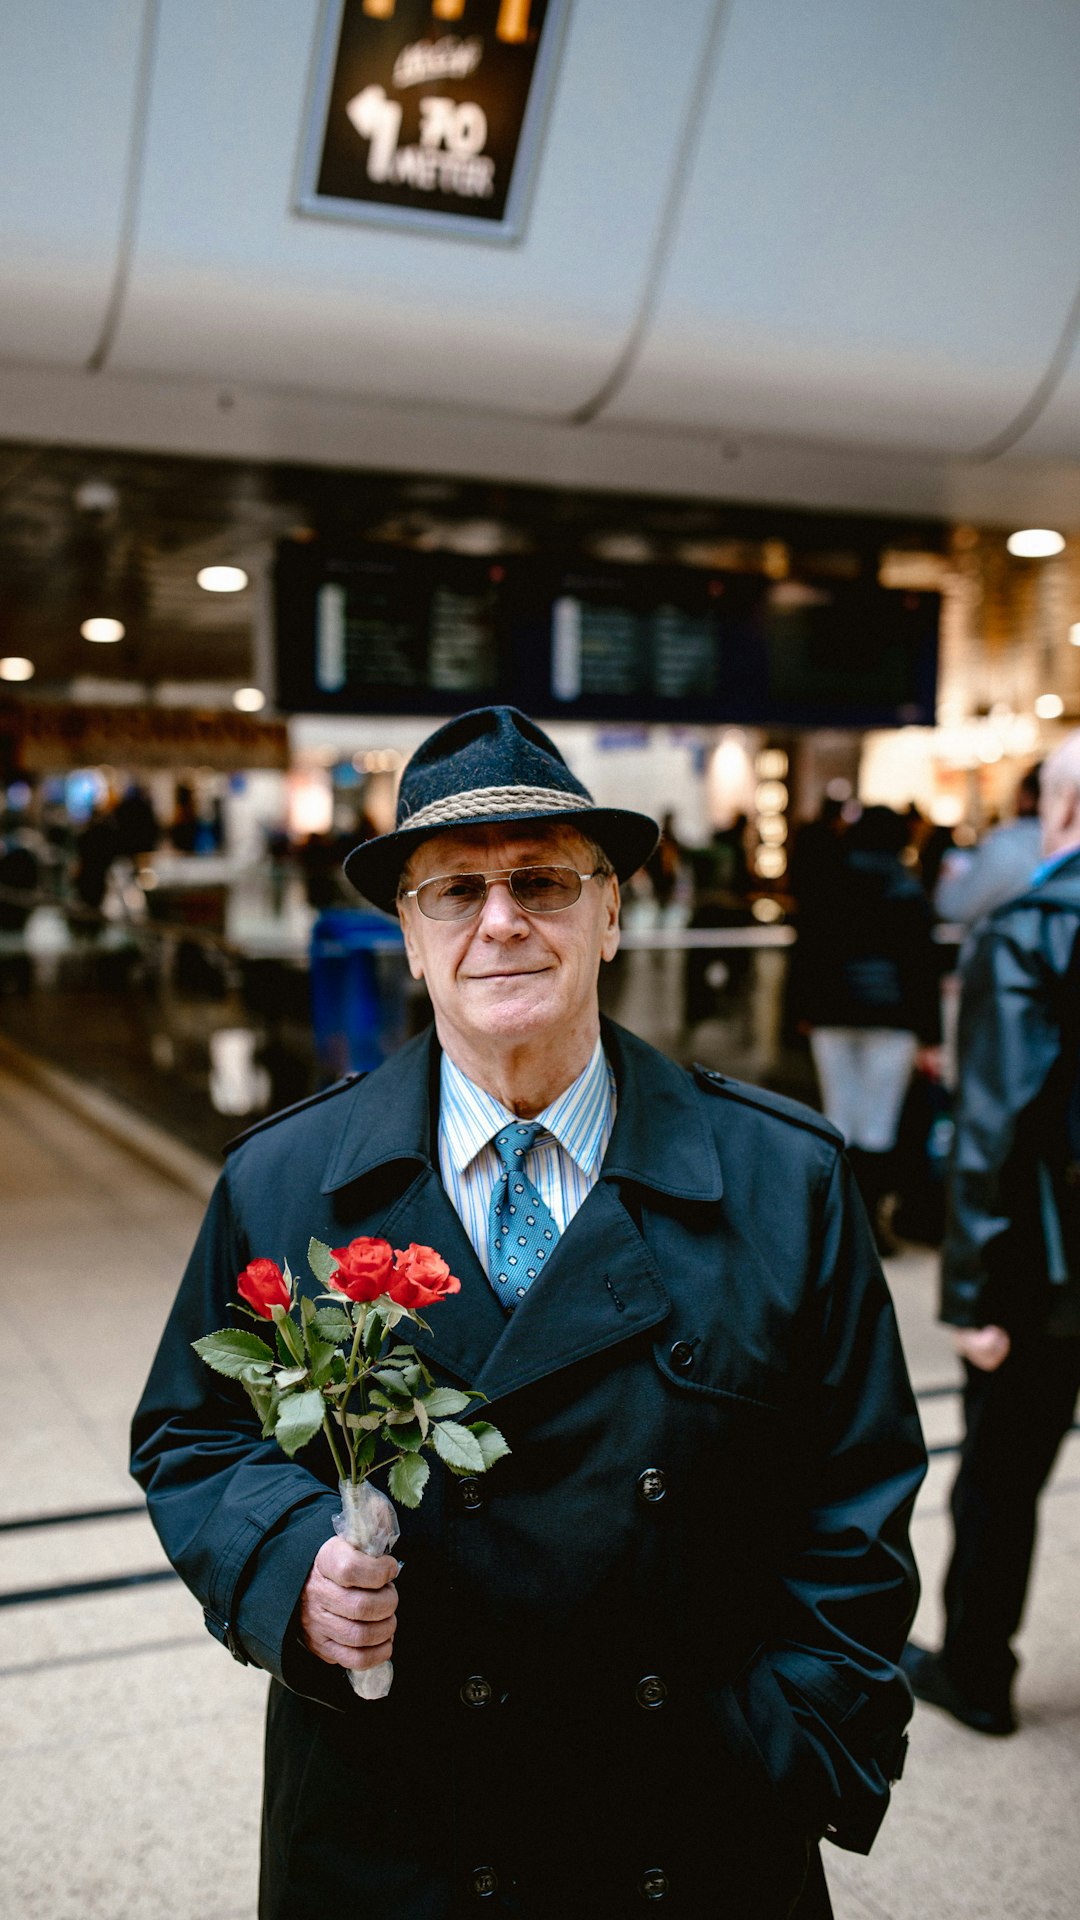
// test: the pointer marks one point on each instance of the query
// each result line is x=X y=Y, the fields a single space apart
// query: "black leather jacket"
x=1012 y=1247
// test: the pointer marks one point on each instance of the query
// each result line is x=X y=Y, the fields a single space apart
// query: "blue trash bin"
x=358 y=982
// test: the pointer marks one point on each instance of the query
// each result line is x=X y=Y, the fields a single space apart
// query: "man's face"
x=508 y=979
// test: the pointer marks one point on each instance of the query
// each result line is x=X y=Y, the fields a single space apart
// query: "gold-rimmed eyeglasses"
x=461 y=896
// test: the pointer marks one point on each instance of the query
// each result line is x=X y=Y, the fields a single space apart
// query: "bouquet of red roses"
x=331 y=1370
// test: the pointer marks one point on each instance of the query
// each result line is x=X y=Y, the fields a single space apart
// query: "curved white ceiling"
x=823 y=223
x=69 y=74
x=877 y=244
x=228 y=282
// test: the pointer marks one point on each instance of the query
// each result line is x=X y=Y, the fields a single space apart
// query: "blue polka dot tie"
x=521 y=1229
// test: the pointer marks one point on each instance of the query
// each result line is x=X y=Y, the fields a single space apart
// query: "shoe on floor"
x=930 y=1681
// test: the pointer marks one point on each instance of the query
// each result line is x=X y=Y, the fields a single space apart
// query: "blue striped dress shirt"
x=565 y=1160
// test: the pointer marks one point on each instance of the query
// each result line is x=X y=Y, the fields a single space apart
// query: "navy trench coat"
x=651 y=1658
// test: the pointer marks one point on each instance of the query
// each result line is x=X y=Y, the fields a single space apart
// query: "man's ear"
x=416 y=967
x=609 y=944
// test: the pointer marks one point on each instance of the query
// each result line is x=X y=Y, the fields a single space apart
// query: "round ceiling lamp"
x=15 y=667
x=1049 y=706
x=102 y=630
x=1074 y=634
x=1035 y=543
x=249 y=699
x=222 y=579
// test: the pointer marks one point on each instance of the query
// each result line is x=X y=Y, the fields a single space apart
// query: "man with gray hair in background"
x=1011 y=1260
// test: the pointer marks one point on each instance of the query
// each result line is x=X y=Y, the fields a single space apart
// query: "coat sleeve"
x=239 y=1521
x=1008 y=1043
x=825 y=1698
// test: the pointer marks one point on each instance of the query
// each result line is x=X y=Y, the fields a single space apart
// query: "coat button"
x=484 y=1882
x=651 y=1691
x=654 y=1884
x=471 y=1494
x=652 y=1484
x=682 y=1356
x=476 y=1691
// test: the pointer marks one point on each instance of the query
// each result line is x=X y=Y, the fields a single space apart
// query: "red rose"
x=421 y=1277
x=262 y=1285
x=365 y=1268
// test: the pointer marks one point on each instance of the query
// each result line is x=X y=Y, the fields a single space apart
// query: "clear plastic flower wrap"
x=368 y=1521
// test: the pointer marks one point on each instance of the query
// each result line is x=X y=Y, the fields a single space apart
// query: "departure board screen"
x=389 y=629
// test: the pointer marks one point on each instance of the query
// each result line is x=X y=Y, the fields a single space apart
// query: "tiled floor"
x=131 y=1744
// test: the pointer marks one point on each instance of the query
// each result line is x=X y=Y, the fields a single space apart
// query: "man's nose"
x=500 y=915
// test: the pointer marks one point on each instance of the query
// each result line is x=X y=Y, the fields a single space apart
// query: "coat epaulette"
x=298 y=1106
x=749 y=1096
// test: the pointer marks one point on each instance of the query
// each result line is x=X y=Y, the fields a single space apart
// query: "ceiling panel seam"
x=665 y=239
x=1043 y=392
x=132 y=189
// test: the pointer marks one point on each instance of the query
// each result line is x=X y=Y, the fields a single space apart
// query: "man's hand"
x=348 y=1609
x=984 y=1347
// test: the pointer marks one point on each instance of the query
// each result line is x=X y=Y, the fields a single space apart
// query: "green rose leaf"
x=330 y=1323
x=323 y=1356
x=458 y=1447
x=299 y=1419
x=492 y=1445
x=307 y=1310
x=374 y=1333
x=321 y=1261
x=230 y=1351
x=291 y=1377
x=365 y=1453
x=446 y=1401
x=408 y=1478
x=408 y=1436
x=392 y=1383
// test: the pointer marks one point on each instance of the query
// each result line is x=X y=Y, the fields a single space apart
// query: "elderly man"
x=656 y=1660
x=1011 y=1261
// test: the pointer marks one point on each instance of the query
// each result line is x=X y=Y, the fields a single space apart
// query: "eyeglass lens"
x=458 y=896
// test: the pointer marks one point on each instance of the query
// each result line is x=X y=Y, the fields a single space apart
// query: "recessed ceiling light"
x=1035 y=543
x=14 y=667
x=1049 y=706
x=1074 y=634
x=222 y=579
x=103 y=630
x=249 y=699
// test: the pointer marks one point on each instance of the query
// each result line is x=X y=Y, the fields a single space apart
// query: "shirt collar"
x=579 y=1118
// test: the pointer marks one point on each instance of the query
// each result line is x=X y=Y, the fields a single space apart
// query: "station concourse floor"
x=131 y=1744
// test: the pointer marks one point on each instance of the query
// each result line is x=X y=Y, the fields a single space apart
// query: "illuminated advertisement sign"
x=427 y=113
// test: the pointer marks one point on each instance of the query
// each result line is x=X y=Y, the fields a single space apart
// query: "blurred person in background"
x=1011 y=1259
x=664 y=864
x=973 y=882
x=865 y=989
x=95 y=850
x=135 y=823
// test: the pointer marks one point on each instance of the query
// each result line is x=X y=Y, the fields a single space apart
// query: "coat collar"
x=661 y=1139
x=602 y=1286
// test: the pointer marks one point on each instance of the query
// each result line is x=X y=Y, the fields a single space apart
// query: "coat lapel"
x=383 y=1176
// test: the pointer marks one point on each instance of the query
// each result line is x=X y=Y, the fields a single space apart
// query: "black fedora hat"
x=491 y=766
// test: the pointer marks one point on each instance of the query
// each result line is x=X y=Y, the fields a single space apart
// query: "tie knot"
x=513 y=1143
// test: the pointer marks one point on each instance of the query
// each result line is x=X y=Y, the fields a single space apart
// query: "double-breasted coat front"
x=650 y=1658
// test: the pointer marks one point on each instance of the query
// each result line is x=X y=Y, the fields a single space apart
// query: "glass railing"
x=203 y=1032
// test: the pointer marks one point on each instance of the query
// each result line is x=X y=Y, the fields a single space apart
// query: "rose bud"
x=421 y=1277
x=262 y=1284
x=364 y=1268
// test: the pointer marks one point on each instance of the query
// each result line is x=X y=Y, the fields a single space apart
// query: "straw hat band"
x=493 y=803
